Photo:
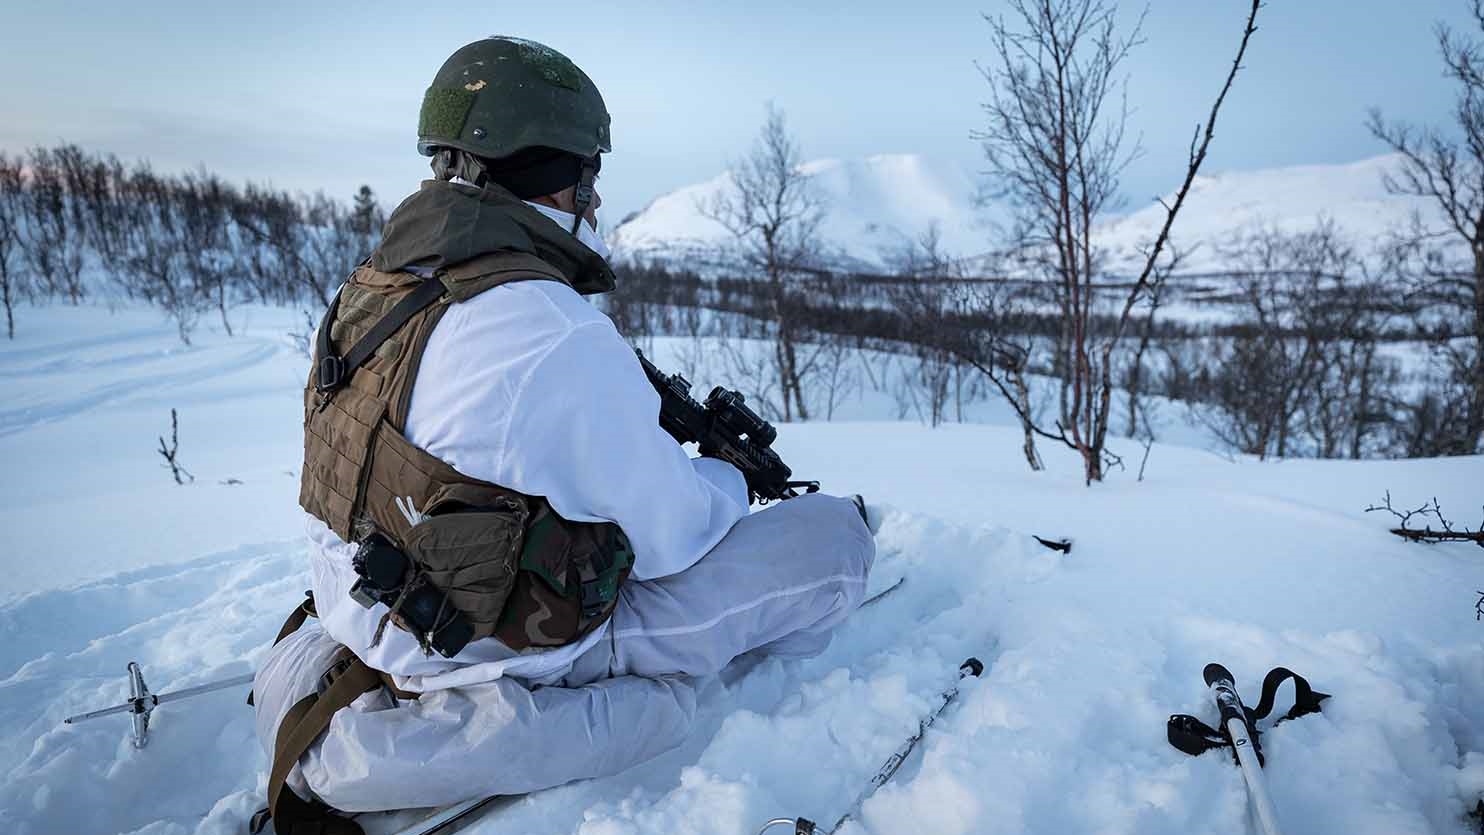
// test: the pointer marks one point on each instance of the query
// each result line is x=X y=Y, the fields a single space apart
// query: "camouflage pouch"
x=567 y=584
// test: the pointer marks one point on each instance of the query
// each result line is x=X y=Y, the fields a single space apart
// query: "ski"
x=882 y=592
x=455 y=816
x=803 y=826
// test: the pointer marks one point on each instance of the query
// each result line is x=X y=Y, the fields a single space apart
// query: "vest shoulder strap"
x=458 y=283
x=333 y=371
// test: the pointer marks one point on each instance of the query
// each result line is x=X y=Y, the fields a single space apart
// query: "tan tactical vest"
x=517 y=570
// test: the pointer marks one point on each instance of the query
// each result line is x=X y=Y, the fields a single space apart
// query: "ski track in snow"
x=56 y=402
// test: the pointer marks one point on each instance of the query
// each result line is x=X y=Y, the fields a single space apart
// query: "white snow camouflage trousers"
x=778 y=583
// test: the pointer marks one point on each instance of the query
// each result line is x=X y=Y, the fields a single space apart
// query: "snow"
x=876 y=204
x=1252 y=564
x=873 y=207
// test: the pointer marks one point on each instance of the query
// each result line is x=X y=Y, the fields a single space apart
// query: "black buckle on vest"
x=329 y=374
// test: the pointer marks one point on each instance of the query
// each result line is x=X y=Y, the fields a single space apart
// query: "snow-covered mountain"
x=1352 y=195
x=876 y=204
x=873 y=206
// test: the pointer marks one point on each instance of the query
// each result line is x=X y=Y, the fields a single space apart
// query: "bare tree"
x=1134 y=378
x=96 y=187
x=276 y=223
x=926 y=301
x=1300 y=372
x=204 y=204
x=1450 y=173
x=54 y=244
x=151 y=262
x=12 y=193
x=838 y=372
x=1055 y=144
x=774 y=212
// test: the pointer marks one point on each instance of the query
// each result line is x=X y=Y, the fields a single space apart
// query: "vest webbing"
x=514 y=568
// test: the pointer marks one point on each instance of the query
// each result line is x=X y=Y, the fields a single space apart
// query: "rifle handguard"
x=725 y=427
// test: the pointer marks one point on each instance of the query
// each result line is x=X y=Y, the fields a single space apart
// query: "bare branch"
x=1426 y=534
x=170 y=452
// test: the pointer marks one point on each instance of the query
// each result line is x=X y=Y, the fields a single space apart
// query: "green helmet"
x=500 y=95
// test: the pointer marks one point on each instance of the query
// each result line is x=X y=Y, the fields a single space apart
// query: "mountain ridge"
x=878 y=204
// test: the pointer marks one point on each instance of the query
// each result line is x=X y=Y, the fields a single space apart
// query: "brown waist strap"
x=349 y=678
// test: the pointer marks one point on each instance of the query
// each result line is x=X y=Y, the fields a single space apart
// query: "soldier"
x=516 y=572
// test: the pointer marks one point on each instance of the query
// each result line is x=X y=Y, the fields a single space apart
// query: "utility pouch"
x=471 y=553
x=568 y=581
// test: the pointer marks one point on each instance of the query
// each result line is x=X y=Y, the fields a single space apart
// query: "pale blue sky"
x=324 y=94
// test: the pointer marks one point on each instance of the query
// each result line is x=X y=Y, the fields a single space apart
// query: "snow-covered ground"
x=1251 y=564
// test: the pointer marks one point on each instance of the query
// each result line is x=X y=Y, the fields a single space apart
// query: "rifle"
x=724 y=427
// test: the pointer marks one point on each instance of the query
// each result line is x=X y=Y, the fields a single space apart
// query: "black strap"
x=583 y=196
x=333 y=371
x=1306 y=699
x=1195 y=737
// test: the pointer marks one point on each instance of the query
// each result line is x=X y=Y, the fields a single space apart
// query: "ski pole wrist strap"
x=1195 y=737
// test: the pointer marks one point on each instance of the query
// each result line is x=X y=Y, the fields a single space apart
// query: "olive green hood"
x=444 y=224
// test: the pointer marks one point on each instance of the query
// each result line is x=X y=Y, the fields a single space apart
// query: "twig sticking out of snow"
x=169 y=452
x=1427 y=534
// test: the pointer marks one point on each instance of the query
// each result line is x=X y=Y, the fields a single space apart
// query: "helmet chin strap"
x=584 y=195
x=451 y=163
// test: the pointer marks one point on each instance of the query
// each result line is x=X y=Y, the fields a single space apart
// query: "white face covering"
x=588 y=236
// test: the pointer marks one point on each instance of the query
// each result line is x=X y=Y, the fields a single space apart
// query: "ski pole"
x=804 y=826
x=1236 y=724
x=142 y=702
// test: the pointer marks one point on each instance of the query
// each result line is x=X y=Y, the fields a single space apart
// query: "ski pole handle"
x=1237 y=726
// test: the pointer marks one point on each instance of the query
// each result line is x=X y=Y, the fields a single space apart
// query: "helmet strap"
x=584 y=194
x=449 y=163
